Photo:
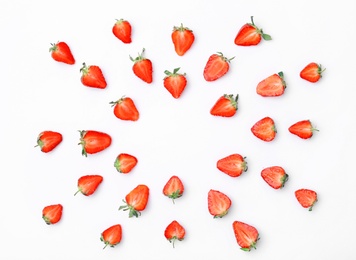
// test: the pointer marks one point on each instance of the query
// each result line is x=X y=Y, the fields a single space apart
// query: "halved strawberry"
x=272 y=86
x=216 y=67
x=88 y=184
x=225 y=106
x=264 y=129
x=233 y=165
x=136 y=200
x=122 y=30
x=312 y=72
x=112 y=236
x=52 y=214
x=174 y=188
x=124 y=163
x=304 y=129
x=142 y=68
x=218 y=203
x=61 y=52
x=174 y=231
x=92 y=76
x=246 y=235
x=48 y=140
x=182 y=38
x=175 y=82
x=93 y=141
x=125 y=109
x=306 y=197
x=250 y=34
x=274 y=176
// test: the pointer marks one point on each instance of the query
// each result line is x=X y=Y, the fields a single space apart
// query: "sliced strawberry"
x=175 y=82
x=124 y=163
x=174 y=231
x=112 y=236
x=88 y=184
x=264 y=129
x=246 y=235
x=48 y=140
x=93 y=141
x=225 y=106
x=307 y=198
x=182 y=38
x=312 y=72
x=52 y=214
x=61 y=52
x=218 y=203
x=233 y=165
x=174 y=188
x=125 y=109
x=216 y=67
x=304 y=129
x=250 y=34
x=136 y=200
x=142 y=68
x=92 y=76
x=274 y=176
x=272 y=86
x=122 y=30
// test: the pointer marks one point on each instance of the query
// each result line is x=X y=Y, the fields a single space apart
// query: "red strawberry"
x=174 y=188
x=125 y=109
x=312 y=72
x=52 y=214
x=93 y=77
x=112 y=236
x=61 y=52
x=246 y=235
x=250 y=34
x=272 y=86
x=93 y=141
x=307 y=198
x=225 y=106
x=136 y=200
x=48 y=140
x=304 y=129
x=264 y=129
x=88 y=184
x=216 y=67
x=122 y=30
x=182 y=38
x=233 y=165
x=124 y=162
x=174 y=231
x=275 y=176
x=142 y=68
x=175 y=82
x=218 y=203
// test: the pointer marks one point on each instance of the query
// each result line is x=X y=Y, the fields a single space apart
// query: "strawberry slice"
x=250 y=34
x=272 y=86
x=216 y=67
x=48 y=140
x=233 y=165
x=93 y=141
x=264 y=129
x=174 y=231
x=61 y=52
x=182 y=38
x=218 y=203
x=174 y=188
x=304 y=129
x=52 y=214
x=111 y=236
x=122 y=30
x=274 y=176
x=245 y=234
x=124 y=163
x=92 y=76
x=225 y=106
x=125 y=109
x=312 y=72
x=306 y=197
x=142 y=68
x=136 y=200
x=175 y=82
x=88 y=184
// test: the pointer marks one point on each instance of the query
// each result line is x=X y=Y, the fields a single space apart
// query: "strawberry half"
x=225 y=106
x=175 y=82
x=307 y=198
x=274 y=176
x=52 y=214
x=264 y=129
x=250 y=34
x=312 y=72
x=88 y=184
x=124 y=163
x=93 y=141
x=93 y=77
x=142 y=68
x=112 y=236
x=174 y=231
x=122 y=30
x=218 y=203
x=233 y=165
x=48 y=140
x=136 y=200
x=216 y=67
x=174 y=188
x=272 y=86
x=61 y=52
x=182 y=38
x=246 y=235
x=304 y=129
x=125 y=109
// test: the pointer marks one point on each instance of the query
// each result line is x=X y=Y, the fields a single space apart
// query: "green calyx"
x=132 y=211
x=221 y=55
x=174 y=73
x=260 y=31
x=139 y=57
x=233 y=100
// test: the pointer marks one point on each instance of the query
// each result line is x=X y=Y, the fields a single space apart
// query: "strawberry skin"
x=264 y=129
x=48 y=140
x=304 y=129
x=182 y=38
x=61 y=52
x=124 y=163
x=225 y=106
x=272 y=86
x=174 y=231
x=174 y=188
x=93 y=77
x=218 y=203
x=112 y=236
x=216 y=67
x=136 y=200
x=175 y=82
x=246 y=235
x=250 y=35
x=274 y=176
x=125 y=109
x=312 y=72
x=307 y=198
x=142 y=68
x=122 y=30
x=233 y=165
x=88 y=184
x=93 y=141
x=52 y=214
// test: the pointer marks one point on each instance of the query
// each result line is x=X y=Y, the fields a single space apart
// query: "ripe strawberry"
x=304 y=129
x=264 y=129
x=250 y=34
x=125 y=109
x=174 y=231
x=122 y=30
x=124 y=163
x=272 y=86
x=175 y=82
x=312 y=72
x=233 y=165
x=216 y=67
x=112 y=236
x=246 y=235
x=61 y=52
x=92 y=76
x=225 y=106
x=88 y=184
x=275 y=176
x=218 y=203
x=307 y=198
x=48 y=140
x=93 y=141
x=174 y=188
x=142 y=68
x=52 y=214
x=182 y=38
x=136 y=200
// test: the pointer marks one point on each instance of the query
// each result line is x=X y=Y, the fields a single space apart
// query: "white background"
x=177 y=136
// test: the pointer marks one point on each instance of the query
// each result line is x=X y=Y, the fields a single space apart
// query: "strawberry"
x=233 y=165
x=52 y=214
x=312 y=72
x=182 y=38
x=88 y=184
x=142 y=68
x=304 y=129
x=175 y=82
x=225 y=106
x=136 y=200
x=216 y=67
x=61 y=52
x=264 y=129
x=272 y=86
x=112 y=236
x=93 y=141
x=122 y=30
x=92 y=76
x=174 y=188
x=125 y=109
x=124 y=163
x=218 y=203
x=174 y=231
x=274 y=176
x=246 y=235
x=250 y=34
x=48 y=140
x=307 y=198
